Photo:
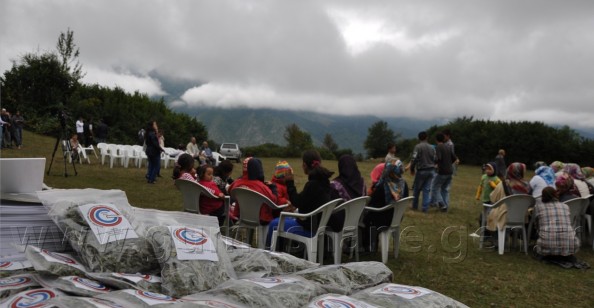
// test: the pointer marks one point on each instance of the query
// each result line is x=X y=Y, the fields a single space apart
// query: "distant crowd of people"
x=11 y=129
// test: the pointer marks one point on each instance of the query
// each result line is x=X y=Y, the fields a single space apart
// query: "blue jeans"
x=291 y=225
x=422 y=182
x=154 y=165
x=440 y=189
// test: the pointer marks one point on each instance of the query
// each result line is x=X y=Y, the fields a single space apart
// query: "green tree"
x=297 y=140
x=69 y=53
x=330 y=144
x=378 y=137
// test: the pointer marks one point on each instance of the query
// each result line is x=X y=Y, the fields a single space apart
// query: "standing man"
x=18 y=121
x=6 y=143
x=500 y=164
x=80 y=129
x=101 y=132
x=450 y=145
x=423 y=169
x=444 y=158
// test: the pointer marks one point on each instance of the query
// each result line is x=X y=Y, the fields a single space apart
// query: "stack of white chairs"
x=102 y=151
x=115 y=154
x=139 y=154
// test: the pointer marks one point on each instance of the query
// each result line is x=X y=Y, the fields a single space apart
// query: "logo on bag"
x=32 y=299
x=14 y=281
x=333 y=303
x=400 y=290
x=90 y=284
x=105 y=216
x=190 y=236
x=5 y=264
x=59 y=257
x=155 y=296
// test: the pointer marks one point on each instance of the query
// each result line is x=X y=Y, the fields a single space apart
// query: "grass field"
x=436 y=251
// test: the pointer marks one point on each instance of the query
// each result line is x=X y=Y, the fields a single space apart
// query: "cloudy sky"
x=500 y=60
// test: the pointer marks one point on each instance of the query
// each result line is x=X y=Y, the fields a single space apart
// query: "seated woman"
x=514 y=179
x=588 y=173
x=566 y=189
x=315 y=193
x=390 y=187
x=253 y=178
x=349 y=184
x=556 y=237
x=222 y=175
x=575 y=172
x=375 y=175
x=544 y=176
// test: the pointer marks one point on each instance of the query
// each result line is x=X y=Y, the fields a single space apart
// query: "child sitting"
x=184 y=168
x=280 y=170
x=211 y=206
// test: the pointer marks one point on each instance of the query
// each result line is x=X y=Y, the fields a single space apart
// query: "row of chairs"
x=124 y=154
x=249 y=220
x=517 y=210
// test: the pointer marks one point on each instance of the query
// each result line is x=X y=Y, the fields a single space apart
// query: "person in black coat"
x=153 y=151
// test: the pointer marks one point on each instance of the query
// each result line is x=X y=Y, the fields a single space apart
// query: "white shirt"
x=80 y=127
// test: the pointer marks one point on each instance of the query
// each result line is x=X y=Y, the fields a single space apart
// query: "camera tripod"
x=66 y=149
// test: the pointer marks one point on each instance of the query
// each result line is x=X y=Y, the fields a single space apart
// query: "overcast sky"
x=500 y=60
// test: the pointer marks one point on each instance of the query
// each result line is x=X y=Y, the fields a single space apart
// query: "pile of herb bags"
x=79 y=213
x=195 y=265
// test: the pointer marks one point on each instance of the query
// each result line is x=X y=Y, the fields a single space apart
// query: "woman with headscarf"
x=566 y=189
x=390 y=188
x=349 y=184
x=556 y=236
x=544 y=176
x=557 y=167
x=253 y=178
x=588 y=173
x=515 y=179
x=575 y=172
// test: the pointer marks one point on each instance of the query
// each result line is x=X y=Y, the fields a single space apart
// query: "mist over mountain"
x=250 y=127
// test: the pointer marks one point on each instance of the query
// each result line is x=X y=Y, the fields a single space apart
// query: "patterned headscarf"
x=564 y=183
x=557 y=166
x=515 y=178
x=588 y=172
x=574 y=171
x=547 y=174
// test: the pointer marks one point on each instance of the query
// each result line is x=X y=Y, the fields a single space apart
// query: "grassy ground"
x=436 y=252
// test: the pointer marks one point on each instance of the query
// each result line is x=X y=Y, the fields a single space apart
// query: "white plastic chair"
x=166 y=157
x=128 y=152
x=103 y=151
x=517 y=207
x=191 y=191
x=393 y=230
x=139 y=155
x=250 y=202
x=90 y=148
x=83 y=155
x=577 y=210
x=314 y=245
x=350 y=230
x=115 y=154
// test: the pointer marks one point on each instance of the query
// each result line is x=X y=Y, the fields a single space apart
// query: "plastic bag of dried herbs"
x=96 y=223
x=12 y=285
x=349 y=277
x=59 y=264
x=279 y=291
x=144 y=282
x=137 y=298
x=16 y=267
x=32 y=298
x=263 y=263
x=82 y=302
x=74 y=285
x=339 y=300
x=192 y=255
x=397 y=295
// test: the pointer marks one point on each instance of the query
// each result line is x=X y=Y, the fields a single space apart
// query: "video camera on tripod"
x=63 y=138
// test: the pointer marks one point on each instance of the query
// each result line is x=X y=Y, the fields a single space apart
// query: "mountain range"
x=250 y=127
